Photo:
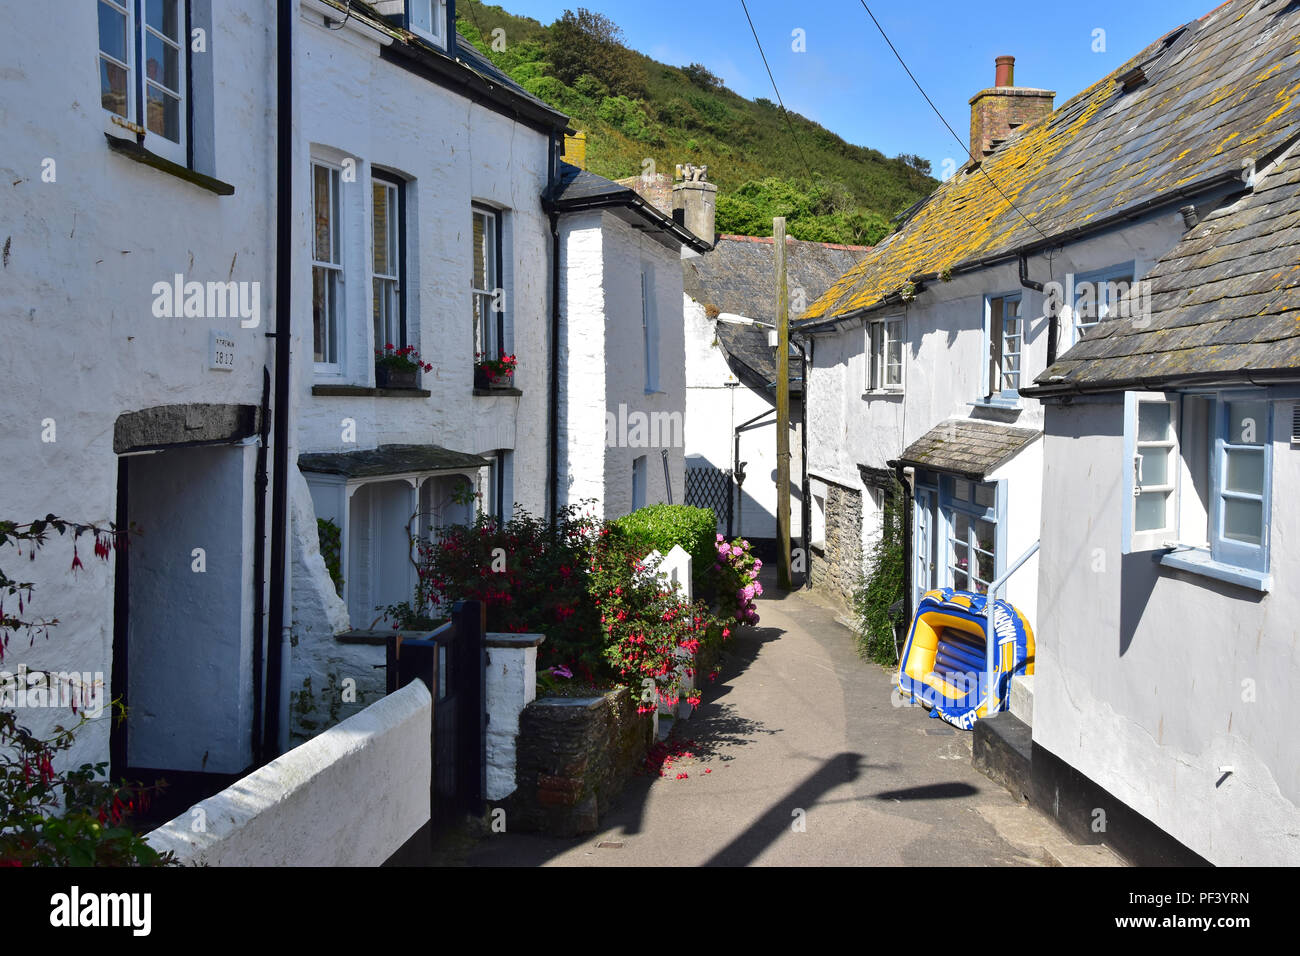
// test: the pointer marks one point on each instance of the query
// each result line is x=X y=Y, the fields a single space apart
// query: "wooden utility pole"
x=782 y=408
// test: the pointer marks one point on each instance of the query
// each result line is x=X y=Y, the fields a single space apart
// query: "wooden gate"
x=452 y=661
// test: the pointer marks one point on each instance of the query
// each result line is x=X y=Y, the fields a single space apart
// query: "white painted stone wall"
x=453 y=153
x=944 y=357
x=350 y=796
x=80 y=343
x=603 y=363
x=511 y=686
x=713 y=410
x=1141 y=674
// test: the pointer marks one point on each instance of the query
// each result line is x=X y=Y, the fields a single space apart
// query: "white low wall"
x=349 y=797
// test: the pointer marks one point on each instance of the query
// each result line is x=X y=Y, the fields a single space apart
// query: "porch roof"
x=967 y=447
x=389 y=460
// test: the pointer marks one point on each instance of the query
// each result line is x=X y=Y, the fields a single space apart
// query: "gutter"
x=277 y=701
x=634 y=201
x=1065 y=388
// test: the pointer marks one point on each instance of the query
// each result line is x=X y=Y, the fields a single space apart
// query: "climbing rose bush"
x=736 y=579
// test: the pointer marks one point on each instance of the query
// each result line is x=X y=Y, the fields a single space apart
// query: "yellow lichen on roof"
x=958 y=220
x=1095 y=155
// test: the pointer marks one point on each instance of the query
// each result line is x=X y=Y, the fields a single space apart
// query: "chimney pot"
x=1005 y=75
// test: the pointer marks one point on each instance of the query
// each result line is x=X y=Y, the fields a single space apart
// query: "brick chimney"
x=996 y=113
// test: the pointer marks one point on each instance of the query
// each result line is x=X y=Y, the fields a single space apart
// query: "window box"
x=396 y=378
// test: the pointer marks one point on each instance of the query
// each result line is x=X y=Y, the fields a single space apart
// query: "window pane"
x=480 y=251
x=1151 y=508
x=1153 y=421
x=322 y=314
x=1247 y=423
x=112 y=32
x=380 y=237
x=961 y=489
x=323 y=210
x=164 y=114
x=1155 y=466
x=112 y=87
x=420 y=13
x=162 y=15
x=1245 y=470
x=1243 y=520
x=985 y=495
x=162 y=63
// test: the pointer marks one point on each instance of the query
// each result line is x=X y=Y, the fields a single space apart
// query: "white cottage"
x=1163 y=701
x=731 y=376
x=138 y=264
x=919 y=353
x=621 y=350
x=420 y=224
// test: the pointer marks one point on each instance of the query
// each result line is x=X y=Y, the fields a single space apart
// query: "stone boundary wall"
x=835 y=571
x=575 y=756
x=351 y=796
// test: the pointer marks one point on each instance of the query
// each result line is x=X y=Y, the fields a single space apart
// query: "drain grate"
x=608 y=845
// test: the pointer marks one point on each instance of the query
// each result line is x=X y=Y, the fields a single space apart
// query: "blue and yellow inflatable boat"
x=943 y=662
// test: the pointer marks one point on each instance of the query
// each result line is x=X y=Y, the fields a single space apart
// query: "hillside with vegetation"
x=635 y=109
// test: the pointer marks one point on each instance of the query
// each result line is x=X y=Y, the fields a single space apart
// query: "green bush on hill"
x=634 y=108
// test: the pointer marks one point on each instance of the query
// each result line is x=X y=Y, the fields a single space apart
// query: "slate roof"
x=389 y=460
x=492 y=81
x=737 y=277
x=1225 y=301
x=580 y=189
x=967 y=447
x=1219 y=91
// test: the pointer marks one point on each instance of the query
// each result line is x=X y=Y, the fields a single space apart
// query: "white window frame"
x=333 y=267
x=490 y=334
x=138 y=82
x=882 y=335
x=437 y=31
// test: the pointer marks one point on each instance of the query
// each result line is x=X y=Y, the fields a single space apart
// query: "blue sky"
x=848 y=80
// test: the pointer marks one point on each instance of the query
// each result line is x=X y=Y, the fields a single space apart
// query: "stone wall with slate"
x=836 y=568
x=575 y=755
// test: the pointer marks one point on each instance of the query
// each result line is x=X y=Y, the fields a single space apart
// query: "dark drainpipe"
x=259 y=564
x=1053 y=320
x=285 y=12
x=553 y=449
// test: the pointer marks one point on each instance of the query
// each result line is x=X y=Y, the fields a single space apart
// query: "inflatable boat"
x=944 y=660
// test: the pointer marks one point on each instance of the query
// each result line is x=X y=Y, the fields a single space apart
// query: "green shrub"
x=331 y=549
x=882 y=587
x=662 y=526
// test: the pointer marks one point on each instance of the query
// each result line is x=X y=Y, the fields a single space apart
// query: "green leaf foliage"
x=662 y=526
x=882 y=587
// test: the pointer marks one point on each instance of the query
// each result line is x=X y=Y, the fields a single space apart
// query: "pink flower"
x=559 y=670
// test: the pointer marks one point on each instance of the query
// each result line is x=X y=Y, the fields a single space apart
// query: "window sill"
x=883 y=393
x=1199 y=562
x=366 y=391
x=137 y=153
x=495 y=392
x=1006 y=404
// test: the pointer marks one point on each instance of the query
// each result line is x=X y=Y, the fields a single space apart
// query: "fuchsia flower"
x=559 y=670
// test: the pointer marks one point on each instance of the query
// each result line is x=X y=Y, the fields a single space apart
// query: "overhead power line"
x=965 y=148
x=784 y=112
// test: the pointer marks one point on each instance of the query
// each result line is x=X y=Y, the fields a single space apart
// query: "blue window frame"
x=1004 y=335
x=1199 y=480
x=965 y=541
x=1097 y=296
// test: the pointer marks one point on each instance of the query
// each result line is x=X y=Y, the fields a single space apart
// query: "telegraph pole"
x=782 y=408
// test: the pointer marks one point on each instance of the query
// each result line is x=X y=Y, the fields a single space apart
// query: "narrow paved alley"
x=799 y=758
